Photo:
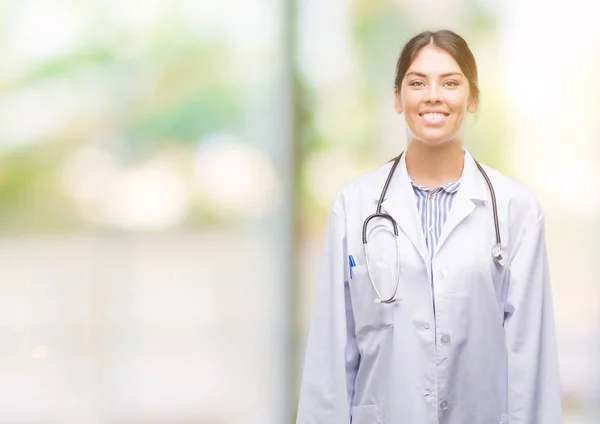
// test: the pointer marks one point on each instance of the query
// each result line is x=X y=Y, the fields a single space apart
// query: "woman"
x=467 y=335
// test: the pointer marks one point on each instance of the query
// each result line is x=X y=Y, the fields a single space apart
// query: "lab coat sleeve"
x=332 y=357
x=533 y=377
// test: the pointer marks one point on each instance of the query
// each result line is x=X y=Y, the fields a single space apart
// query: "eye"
x=451 y=84
x=416 y=83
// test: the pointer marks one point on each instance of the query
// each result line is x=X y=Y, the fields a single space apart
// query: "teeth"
x=434 y=117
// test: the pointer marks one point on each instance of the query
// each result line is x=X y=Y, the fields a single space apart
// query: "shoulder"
x=517 y=198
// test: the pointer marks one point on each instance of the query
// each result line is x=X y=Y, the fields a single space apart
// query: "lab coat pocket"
x=369 y=315
x=368 y=414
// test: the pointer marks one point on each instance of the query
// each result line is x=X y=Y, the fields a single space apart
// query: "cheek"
x=411 y=102
x=413 y=120
x=459 y=102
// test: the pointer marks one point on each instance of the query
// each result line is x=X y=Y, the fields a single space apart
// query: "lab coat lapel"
x=472 y=190
x=400 y=203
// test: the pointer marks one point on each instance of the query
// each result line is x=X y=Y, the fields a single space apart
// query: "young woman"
x=433 y=303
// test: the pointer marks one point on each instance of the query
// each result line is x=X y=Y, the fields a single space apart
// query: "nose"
x=432 y=94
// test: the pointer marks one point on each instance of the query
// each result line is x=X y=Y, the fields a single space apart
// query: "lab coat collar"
x=472 y=183
x=472 y=192
x=401 y=204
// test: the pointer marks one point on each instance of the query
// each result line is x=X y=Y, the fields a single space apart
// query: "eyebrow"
x=422 y=75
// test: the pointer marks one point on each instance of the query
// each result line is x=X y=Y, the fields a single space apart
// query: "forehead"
x=433 y=60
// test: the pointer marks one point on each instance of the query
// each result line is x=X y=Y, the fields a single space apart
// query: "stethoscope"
x=497 y=252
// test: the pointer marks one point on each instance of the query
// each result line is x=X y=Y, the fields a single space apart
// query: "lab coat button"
x=443 y=405
x=446 y=339
x=427 y=392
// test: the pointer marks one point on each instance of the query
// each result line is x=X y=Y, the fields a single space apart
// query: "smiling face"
x=435 y=98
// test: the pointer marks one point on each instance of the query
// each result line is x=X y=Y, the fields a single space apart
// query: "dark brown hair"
x=451 y=43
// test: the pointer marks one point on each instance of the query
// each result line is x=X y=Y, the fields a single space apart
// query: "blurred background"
x=167 y=168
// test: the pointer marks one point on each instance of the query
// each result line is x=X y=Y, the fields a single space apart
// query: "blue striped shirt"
x=433 y=207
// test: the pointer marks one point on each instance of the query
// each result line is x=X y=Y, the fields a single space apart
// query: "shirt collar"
x=448 y=187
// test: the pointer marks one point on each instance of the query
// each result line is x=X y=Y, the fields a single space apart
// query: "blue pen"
x=352 y=264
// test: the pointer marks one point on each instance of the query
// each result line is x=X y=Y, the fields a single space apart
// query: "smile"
x=434 y=117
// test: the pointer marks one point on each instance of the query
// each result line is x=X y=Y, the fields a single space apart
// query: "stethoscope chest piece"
x=498 y=254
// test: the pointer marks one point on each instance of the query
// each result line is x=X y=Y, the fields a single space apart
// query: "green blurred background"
x=167 y=167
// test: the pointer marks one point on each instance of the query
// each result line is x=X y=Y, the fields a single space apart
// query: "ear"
x=398 y=102
x=472 y=106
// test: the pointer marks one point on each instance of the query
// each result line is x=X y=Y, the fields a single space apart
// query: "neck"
x=433 y=167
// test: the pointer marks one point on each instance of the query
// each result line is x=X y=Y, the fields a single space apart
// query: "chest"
x=462 y=267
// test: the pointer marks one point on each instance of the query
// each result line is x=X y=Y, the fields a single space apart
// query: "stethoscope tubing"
x=497 y=253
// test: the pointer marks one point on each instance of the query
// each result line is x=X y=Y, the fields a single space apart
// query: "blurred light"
x=327 y=171
x=150 y=196
x=436 y=14
x=33 y=113
x=88 y=175
x=203 y=19
x=137 y=15
x=40 y=353
x=236 y=177
x=246 y=26
x=340 y=115
x=153 y=196
x=551 y=74
x=326 y=49
x=39 y=31
x=573 y=186
x=252 y=25
x=103 y=93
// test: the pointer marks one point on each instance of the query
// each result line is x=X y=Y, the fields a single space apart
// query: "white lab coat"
x=471 y=342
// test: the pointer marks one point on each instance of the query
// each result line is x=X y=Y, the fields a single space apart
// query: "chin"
x=434 y=140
